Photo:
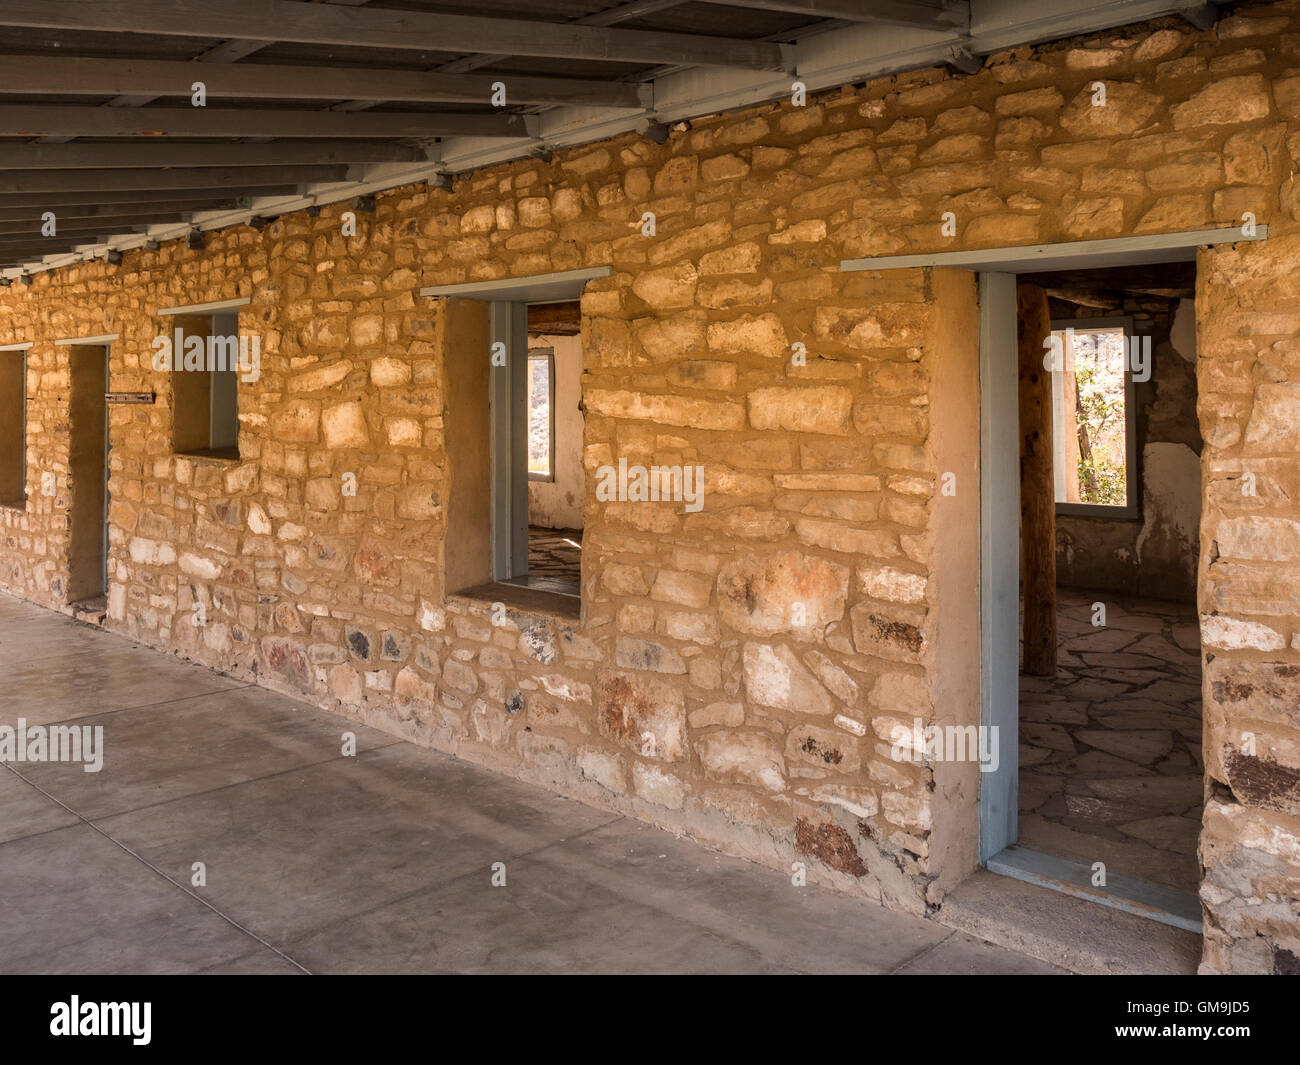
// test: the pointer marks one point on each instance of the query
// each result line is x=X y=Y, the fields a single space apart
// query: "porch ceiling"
x=315 y=102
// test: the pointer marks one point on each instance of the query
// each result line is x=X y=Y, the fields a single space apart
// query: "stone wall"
x=736 y=671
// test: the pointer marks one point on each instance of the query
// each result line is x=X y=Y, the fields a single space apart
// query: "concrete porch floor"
x=316 y=862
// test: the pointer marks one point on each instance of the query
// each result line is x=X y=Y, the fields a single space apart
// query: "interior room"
x=555 y=474
x=1111 y=767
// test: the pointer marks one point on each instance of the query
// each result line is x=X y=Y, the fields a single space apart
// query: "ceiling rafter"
x=23 y=120
x=332 y=24
x=75 y=75
x=82 y=155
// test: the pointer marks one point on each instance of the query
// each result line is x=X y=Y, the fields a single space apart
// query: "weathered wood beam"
x=1037 y=485
x=944 y=16
x=77 y=76
x=21 y=120
x=71 y=226
x=71 y=213
x=559 y=319
x=11 y=201
x=302 y=23
x=232 y=178
x=91 y=155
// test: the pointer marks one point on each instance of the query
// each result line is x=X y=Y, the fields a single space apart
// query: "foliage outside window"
x=1093 y=418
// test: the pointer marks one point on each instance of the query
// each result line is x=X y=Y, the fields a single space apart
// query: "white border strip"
x=1088 y=253
x=107 y=338
x=206 y=308
x=16 y=347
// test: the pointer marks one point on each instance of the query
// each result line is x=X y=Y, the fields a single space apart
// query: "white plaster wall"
x=558 y=504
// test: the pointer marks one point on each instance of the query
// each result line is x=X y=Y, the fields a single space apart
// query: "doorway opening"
x=555 y=474
x=88 y=470
x=1110 y=785
x=1111 y=772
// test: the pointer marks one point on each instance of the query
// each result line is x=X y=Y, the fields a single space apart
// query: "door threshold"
x=1139 y=897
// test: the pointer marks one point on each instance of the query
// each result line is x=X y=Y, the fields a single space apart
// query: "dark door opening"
x=88 y=472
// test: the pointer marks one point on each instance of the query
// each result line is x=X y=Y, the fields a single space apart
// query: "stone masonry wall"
x=736 y=671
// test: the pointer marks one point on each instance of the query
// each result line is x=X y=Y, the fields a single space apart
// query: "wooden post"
x=1037 y=494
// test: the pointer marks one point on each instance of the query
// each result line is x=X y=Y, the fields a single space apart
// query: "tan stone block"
x=1095 y=218
x=667 y=410
x=745 y=756
x=883 y=634
x=724 y=168
x=775 y=677
x=606 y=769
x=403 y=432
x=731 y=714
x=1127 y=108
x=685 y=589
x=344 y=426
x=622 y=579
x=742 y=258
x=726 y=293
x=1030 y=101
x=811 y=410
x=762 y=335
x=666 y=339
x=678 y=175
x=321 y=377
x=1169 y=214
x=824 y=748
x=703 y=374
x=297 y=421
x=671 y=287
x=1224 y=102
x=643 y=713
x=785 y=592
x=656 y=786
x=387 y=372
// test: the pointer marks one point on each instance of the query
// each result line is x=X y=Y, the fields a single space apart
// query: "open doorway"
x=1110 y=766
x=88 y=474
x=555 y=475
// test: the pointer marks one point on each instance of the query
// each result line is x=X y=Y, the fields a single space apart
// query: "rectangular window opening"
x=1094 y=436
x=541 y=414
x=208 y=357
x=13 y=428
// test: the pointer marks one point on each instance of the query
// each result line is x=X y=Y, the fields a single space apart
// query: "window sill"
x=1098 y=512
x=17 y=505
x=554 y=605
x=211 y=454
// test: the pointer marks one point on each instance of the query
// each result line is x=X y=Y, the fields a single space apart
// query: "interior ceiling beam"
x=332 y=24
x=71 y=75
x=70 y=213
x=938 y=16
x=11 y=202
x=213 y=177
x=84 y=154
x=30 y=229
x=42 y=120
x=610 y=17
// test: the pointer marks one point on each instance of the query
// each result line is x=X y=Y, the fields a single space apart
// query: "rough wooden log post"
x=1037 y=495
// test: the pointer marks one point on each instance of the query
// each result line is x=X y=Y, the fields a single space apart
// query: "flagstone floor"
x=1110 y=748
x=552 y=554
